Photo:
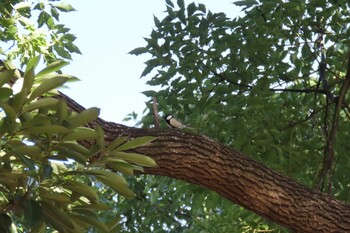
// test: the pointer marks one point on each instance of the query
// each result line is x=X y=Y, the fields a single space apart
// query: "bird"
x=173 y=123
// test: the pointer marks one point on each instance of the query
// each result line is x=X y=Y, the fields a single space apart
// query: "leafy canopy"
x=267 y=83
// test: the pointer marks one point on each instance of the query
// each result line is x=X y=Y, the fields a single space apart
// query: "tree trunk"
x=199 y=160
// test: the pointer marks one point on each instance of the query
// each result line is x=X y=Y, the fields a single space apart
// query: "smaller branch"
x=329 y=150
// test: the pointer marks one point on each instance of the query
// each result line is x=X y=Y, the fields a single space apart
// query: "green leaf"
x=62 y=111
x=5 y=93
x=170 y=3
x=41 y=103
x=33 y=213
x=137 y=142
x=48 y=129
x=48 y=85
x=138 y=51
x=28 y=162
x=28 y=80
x=32 y=64
x=120 y=166
x=116 y=142
x=114 y=181
x=57 y=218
x=5 y=76
x=18 y=100
x=81 y=133
x=246 y=3
x=52 y=67
x=82 y=189
x=9 y=111
x=136 y=158
x=64 y=7
x=90 y=221
x=84 y=117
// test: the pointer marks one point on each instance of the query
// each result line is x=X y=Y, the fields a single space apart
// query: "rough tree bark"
x=199 y=160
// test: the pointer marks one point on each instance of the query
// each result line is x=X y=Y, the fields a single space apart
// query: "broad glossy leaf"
x=57 y=218
x=90 y=221
x=9 y=111
x=28 y=80
x=114 y=181
x=83 y=117
x=32 y=63
x=5 y=93
x=134 y=158
x=33 y=213
x=41 y=103
x=5 y=76
x=62 y=111
x=81 y=133
x=47 y=129
x=26 y=161
x=82 y=189
x=52 y=67
x=48 y=85
x=137 y=142
x=118 y=141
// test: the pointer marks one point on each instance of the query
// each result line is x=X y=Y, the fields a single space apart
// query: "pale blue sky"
x=107 y=30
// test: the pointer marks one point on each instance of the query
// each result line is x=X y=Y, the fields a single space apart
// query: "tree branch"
x=199 y=160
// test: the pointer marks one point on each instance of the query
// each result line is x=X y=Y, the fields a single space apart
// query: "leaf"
x=28 y=80
x=62 y=111
x=114 y=181
x=18 y=100
x=32 y=63
x=116 y=142
x=101 y=136
x=139 y=159
x=41 y=103
x=28 y=162
x=246 y=3
x=64 y=7
x=82 y=189
x=138 y=51
x=57 y=218
x=120 y=166
x=48 y=85
x=137 y=142
x=5 y=76
x=52 y=67
x=33 y=213
x=83 y=117
x=170 y=3
x=90 y=221
x=22 y=5
x=5 y=93
x=48 y=129
x=9 y=111
x=81 y=133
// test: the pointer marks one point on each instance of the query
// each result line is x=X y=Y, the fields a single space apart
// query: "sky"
x=106 y=31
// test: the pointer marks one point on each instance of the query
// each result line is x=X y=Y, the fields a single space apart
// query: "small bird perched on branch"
x=173 y=123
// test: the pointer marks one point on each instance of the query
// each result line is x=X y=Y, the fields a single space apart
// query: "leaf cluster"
x=25 y=38
x=47 y=178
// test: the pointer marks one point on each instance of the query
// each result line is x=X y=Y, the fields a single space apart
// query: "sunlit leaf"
x=137 y=142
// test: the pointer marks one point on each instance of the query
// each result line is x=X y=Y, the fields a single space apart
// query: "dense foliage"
x=271 y=83
x=48 y=180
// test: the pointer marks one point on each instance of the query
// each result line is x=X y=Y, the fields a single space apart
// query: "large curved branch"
x=199 y=160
